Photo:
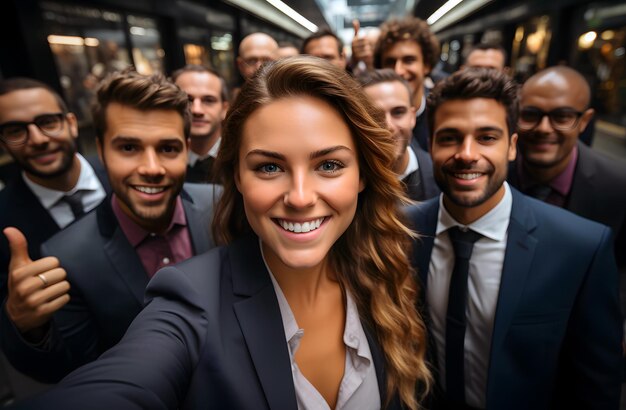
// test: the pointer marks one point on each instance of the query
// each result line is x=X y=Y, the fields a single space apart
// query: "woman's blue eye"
x=330 y=166
x=269 y=168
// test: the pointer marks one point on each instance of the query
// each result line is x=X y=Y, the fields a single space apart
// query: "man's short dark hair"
x=476 y=82
x=384 y=75
x=142 y=92
x=410 y=28
x=22 y=83
x=325 y=32
x=485 y=47
x=196 y=68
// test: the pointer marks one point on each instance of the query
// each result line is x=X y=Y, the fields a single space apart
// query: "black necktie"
x=463 y=243
x=540 y=192
x=75 y=202
x=203 y=169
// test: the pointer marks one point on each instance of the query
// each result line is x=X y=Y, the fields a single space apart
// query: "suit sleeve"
x=71 y=341
x=592 y=362
x=152 y=365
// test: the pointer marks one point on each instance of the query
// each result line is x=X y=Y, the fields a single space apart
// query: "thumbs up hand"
x=362 y=50
x=36 y=289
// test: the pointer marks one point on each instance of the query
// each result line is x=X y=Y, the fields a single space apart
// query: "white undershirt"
x=485 y=272
x=59 y=210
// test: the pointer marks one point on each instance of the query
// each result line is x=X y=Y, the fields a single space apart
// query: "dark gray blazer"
x=211 y=337
x=107 y=283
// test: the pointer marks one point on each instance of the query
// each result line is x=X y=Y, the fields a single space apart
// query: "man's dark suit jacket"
x=598 y=193
x=19 y=207
x=420 y=184
x=107 y=283
x=211 y=337
x=421 y=133
x=557 y=328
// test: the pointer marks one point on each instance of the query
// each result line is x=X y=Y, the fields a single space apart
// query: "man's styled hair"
x=325 y=32
x=384 y=75
x=476 y=82
x=485 y=47
x=142 y=92
x=410 y=28
x=196 y=68
x=23 y=83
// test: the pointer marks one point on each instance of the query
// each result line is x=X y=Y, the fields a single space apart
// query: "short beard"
x=69 y=151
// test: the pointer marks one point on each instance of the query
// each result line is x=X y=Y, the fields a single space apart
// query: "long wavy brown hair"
x=371 y=257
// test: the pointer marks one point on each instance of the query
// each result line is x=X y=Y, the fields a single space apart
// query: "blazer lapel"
x=520 y=250
x=197 y=225
x=425 y=223
x=261 y=324
x=120 y=252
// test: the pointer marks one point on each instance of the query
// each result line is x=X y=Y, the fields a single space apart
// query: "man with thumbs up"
x=39 y=133
x=151 y=220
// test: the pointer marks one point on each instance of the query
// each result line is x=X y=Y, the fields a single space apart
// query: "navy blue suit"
x=107 y=283
x=420 y=185
x=211 y=337
x=557 y=328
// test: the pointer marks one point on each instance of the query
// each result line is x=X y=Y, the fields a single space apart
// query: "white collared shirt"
x=485 y=273
x=359 y=385
x=411 y=166
x=192 y=157
x=59 y=210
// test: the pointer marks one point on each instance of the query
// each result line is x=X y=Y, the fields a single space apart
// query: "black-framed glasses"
x=562 y=119
x=255 y=61
x=16 y=132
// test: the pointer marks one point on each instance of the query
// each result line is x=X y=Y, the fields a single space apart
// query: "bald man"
x=555 y=167
x=255 y=50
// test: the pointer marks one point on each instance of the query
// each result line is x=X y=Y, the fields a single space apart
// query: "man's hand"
x=362 y=50
x=36 y=289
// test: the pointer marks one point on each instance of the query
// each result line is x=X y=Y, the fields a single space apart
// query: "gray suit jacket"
x=107 y=282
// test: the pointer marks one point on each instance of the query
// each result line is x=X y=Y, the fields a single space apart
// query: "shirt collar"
x=87 y=181
x=411 y=166
x=135 y=233
x=192 y=157
x=494 y=224
x=353 y=333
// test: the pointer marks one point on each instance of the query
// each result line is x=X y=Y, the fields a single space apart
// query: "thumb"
x=18 y=246
x=356 y=24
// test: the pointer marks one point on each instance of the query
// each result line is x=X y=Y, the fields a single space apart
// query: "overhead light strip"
x=294 y=15
x=443 y=10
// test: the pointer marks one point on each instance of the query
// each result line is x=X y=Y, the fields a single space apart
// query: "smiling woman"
x=311 y=301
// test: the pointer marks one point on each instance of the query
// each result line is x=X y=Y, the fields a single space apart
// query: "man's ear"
x=584 y=119
x=72 y=123
x=512 y=148
x=237 y=180
x=362 y=184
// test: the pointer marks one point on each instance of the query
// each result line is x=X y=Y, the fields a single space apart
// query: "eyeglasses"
x=255 y=61
x=16 y=132
x=562 y=119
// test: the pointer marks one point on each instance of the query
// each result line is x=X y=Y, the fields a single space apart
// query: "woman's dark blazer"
x=210 y=337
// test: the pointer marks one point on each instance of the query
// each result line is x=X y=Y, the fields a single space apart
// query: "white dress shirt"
x=59 y=210
x=485 y=272
x=359 y=385
x=192 y=157
x=411 y=166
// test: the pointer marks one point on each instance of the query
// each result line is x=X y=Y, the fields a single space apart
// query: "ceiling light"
x=293 y=14
x=449 y=5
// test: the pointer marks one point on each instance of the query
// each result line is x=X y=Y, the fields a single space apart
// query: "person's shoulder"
x=75 y=236
x=202 y=193
x=560 y=221
x=610 y=168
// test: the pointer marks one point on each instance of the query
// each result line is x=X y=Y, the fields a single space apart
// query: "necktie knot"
x=463 y=241
x=75 y=202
